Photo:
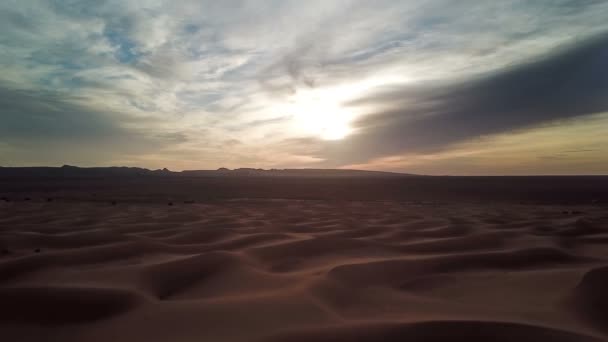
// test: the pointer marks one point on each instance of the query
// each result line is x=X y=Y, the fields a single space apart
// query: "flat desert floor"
x=302 y=270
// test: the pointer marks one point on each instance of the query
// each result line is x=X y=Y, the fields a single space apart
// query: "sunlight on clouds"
x=265 y=73
x=559 y=148
x=318 y=115
x=323 y=113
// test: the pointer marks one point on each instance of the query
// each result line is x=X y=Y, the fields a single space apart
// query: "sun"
x=323 y=112
x=335 y=130
x=321 y=116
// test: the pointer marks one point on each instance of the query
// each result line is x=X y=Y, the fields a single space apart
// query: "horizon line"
x=225 y=169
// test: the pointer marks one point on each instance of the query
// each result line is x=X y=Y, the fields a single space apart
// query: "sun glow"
x=324 y=113
x=321 y=116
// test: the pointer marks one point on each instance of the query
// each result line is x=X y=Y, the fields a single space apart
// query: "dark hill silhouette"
x=292 y=173
x=68 y=171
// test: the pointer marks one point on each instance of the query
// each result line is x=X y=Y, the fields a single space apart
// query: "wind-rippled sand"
x=302 y=270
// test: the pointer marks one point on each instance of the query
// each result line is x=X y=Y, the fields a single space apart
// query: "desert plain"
x=304 y=259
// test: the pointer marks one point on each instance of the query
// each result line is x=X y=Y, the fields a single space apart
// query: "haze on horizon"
x=428 y=87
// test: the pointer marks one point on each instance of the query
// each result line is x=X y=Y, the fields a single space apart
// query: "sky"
x=438 y=87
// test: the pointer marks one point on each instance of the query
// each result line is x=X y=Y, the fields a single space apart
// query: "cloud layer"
x=568 y=83
x=243 y=83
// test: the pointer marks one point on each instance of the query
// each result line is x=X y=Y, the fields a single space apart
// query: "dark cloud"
x=298 y=65
x=569 y=83
x=36 y=124
x=42 y=115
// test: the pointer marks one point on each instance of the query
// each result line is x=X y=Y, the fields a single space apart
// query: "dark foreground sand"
x=302 y=270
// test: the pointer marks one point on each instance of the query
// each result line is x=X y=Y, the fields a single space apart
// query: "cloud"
x=575 y=147
x=42 y=126
x=170 y=76
x=46 y=116
x=569 y=83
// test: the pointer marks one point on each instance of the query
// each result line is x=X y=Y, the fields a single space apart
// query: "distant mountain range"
x=68 y=171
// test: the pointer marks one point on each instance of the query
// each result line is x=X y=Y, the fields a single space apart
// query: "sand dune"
x=302 y=270
x=434 y=332
x=63 y=305
x=590 y=297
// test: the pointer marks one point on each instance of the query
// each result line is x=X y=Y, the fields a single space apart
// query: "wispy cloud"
x=43 y=127
x=419 y=118
x=170 y=76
